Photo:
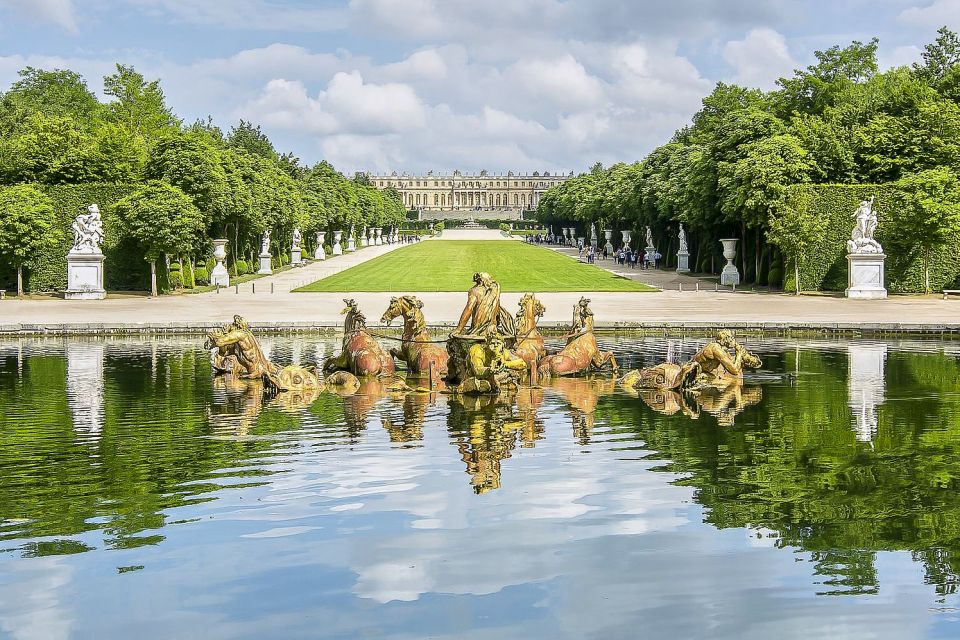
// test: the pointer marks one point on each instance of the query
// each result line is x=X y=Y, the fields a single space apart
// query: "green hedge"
x=124 y=267
x=825 y=267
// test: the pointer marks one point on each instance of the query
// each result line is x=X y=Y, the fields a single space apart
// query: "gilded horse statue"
x=417 y=348
x=529 y=344
x=362 y=355
x=581 y=354
x=238 y=352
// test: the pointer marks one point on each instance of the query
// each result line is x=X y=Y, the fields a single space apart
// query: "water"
x=140 y=498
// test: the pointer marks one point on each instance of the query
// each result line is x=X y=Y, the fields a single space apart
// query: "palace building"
x=480 y=192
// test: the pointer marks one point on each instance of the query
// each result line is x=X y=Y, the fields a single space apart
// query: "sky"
x=418 y=85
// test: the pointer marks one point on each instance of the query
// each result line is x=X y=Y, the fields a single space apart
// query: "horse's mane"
x=355 y=320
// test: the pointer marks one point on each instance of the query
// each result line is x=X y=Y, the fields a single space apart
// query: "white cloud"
x=59 y=12
x=759 y=59
x=563 y=82
x=245 y=14
x=936 y=14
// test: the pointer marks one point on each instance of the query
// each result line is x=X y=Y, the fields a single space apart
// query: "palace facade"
x=459 y=192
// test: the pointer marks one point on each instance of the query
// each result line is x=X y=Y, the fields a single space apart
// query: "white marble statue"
x=683 y=239
x=265 y=244
x=861 y=238
x=297 y=238
x=88 y=231
x=649 y=238
x=593 y=231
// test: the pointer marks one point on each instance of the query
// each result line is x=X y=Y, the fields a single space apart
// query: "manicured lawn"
x=449 y=265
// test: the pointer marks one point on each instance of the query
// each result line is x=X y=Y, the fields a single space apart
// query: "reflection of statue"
x=582 y=394
x=490 y=367
x=362 y=355
x=296 y=239
x=265 y=243
x=682 y=236
x=236 y=340
x=87 y=231
x=485 y=433
x=483 y=312
x=581 y=353
x=861 y=238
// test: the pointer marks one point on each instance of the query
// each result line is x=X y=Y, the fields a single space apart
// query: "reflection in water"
x=85 y=386
x=865 y=386
x=184 y=465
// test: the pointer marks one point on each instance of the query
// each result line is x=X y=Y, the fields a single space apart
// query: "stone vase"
x=626 y=238
x=729 y=276
x=337 y=246
x=608 y=234
x=219 y=277
x=378 y=236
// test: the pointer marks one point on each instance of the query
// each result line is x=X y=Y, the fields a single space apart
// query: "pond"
x=140 y=497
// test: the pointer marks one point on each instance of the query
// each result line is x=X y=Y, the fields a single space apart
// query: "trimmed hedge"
x=124 y=267
x=826 y=266
x=201 y=276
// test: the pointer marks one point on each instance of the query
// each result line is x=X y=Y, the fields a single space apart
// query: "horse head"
x=393 y=310
x=530 y=311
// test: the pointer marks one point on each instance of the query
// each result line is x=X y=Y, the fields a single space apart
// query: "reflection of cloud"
x=31 y=599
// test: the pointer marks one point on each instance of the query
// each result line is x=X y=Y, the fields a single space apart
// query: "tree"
x=26 y=226
x=251 y=139
x=939 y=58
x=138 y=105
x=162 y=220
x=190 y=160
x=56 y=93
x=795 y=230
x=929 y=208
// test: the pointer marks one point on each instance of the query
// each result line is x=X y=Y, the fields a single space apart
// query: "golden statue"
x=530 y=345
x=362 y=355
x=417 y=348
x=482 y=311
x=581 y=354
x=491 y=368
x=239 y=353
x=711 y=365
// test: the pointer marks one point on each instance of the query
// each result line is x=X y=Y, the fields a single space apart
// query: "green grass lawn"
x=449 y=265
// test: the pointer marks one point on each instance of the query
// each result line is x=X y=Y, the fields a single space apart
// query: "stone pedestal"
x=296 y=256
x=865 y=276
x=608 y=234
x=369 y=236
x=378 y=236
x=351 y=244
x=85 y=276
x=320 y=253
x=729 y=276
x=337 y=247
x=683 y=262
x=220 y=277
x=265 y=267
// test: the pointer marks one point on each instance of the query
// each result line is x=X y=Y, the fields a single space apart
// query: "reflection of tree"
x=485 y=432
x=793 y=464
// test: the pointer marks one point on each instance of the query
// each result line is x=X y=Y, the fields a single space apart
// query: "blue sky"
x=443 y=84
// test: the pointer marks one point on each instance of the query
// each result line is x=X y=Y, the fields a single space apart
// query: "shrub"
x=240 y=267
x=328 y=250
x=175 y=279
x=176 y=266
x=201 y=276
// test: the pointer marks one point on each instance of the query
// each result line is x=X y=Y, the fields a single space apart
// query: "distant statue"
x=861 y=238
x=593 y=231
x=87 y=231
x=296 y=239
x=649 y=237
x=265 y=244
x=482 y=312
x=683 y=239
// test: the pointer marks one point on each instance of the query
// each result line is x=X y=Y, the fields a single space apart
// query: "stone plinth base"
x=683 y=262
x=865 y=276
x=85 y=277
x=320 y=254
x=265 y=267
x=729 y=276
x=351 y=245
x=296 y=256
x=337 y=249
x=220 y=277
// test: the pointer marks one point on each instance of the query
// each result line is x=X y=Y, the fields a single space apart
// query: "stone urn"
x=320 y=253
x=729 y=275
x=626 y=238
x=219 y=276
x=337 y=247
x=608 y=234
x=378 y=236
